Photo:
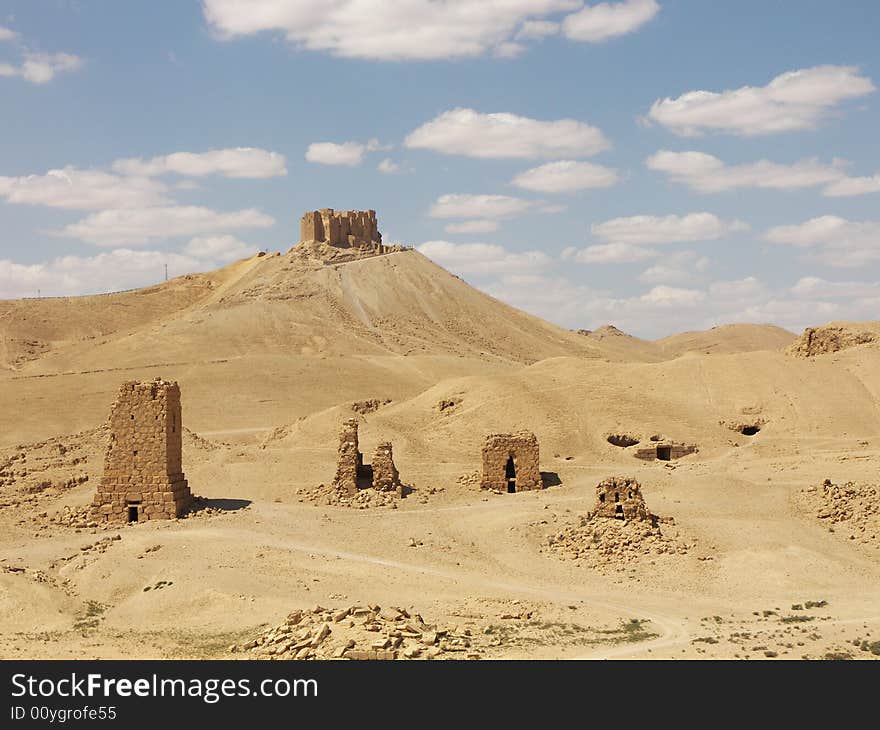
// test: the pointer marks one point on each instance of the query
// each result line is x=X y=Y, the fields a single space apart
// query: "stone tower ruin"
x=620 y=498
x=385 y=475
x=143 y=476
x=511 y=462
x=349 y=459
x=351 y=472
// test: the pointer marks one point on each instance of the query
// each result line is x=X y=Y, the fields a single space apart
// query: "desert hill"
x=727 y=339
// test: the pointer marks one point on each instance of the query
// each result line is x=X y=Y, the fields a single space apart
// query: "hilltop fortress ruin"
x=340 y=235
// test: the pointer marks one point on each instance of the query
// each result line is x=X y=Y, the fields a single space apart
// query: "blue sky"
x=657 y=164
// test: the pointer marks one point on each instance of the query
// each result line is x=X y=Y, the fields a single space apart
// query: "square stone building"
x=143 y=477
x=620 y=498
x=510 y=462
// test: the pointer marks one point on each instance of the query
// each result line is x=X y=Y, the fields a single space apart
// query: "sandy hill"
x=727 y=339
x=29 y=328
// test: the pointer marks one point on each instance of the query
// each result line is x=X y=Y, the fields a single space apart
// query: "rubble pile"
x=359 y=632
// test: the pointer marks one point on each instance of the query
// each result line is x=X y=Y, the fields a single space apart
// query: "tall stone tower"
x=350 y=461
x=143 y=477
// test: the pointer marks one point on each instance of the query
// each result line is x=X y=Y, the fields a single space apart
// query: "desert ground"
x=768 y=544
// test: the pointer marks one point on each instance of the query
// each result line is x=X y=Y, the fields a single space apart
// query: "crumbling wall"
x=343 y=228
x=311 y=226
x=143 y=474
x=498 y=449
x=349 y=459
x=621 y=498
x=385 y=475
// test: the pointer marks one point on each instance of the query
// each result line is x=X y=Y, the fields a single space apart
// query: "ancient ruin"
x=336 y=236
x=665 y=451
x=510 y=462
x=349 y=459
x=830 y=338
x=351 y=472
x=143 y=477
x=385 y=475
x=340 y=228
x=618 y=533
x=620 y=498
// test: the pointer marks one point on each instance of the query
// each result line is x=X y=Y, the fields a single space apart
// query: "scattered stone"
x=376 y=634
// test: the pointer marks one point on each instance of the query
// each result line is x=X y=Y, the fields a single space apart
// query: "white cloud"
x=137 y=226
x=737 y=290
x=483 y=258
x=7 y=35
x=791 y=101
x=565 y=176
x=853 y=186
x=219 y=248
x=608 y=20
x=508 y=49
x=350 y=154
x=609 y=253
x=461 y=205
x=670 y=296
x=675 y=268
x=383 y=30
x=39 y=68
x=502 y=135
x=535 y=29
x=832 y=240
x=472 y=226
x=75 y=189
x=812 y=286
x=824 y=230
x=239 y=162
x=707 y=174
x=648 y=229
x=388 y=166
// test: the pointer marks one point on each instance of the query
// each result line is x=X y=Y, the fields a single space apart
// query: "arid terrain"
x=772 y=549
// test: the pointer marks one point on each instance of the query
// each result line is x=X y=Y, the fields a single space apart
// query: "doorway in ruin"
x=510 y=474
x=664 y=453
x=132 y=513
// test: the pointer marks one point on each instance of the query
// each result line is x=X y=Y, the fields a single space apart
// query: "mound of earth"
x=608 y=544
x=830 y=338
